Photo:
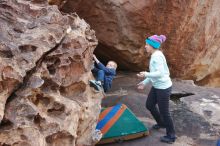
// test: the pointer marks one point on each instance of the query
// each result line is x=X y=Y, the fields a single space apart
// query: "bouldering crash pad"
x=118 y=123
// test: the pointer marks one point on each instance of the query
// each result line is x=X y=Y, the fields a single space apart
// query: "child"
x=159 y=76
x=104 y=75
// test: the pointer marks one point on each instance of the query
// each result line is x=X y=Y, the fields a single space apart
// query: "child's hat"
x=155 y=41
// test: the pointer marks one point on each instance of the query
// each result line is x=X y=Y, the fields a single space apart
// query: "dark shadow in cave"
x=106 y=53
x=101 y=52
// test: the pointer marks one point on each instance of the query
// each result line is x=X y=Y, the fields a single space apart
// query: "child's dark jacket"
x=110 y=73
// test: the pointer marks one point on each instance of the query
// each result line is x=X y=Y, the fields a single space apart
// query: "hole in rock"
x=60 y=138
x=5 y=124
x=27 y=48
x=175 y=97
x=49 y=85
x=51 y=69
x=6 y=54
x=57 y=109
x=40 y=99
x=73 y=91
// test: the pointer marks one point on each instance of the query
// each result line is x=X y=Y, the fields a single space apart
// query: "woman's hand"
x=140 y=86
x=142 y=74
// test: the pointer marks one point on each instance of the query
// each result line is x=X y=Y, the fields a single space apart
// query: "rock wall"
x=46 y=59
x=192 y=29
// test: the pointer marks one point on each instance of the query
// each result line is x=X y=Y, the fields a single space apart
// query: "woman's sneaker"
x=168 y=139
x=96 y=84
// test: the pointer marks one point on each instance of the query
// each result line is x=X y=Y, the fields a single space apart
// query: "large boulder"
x=46 y=60
x=192 y=29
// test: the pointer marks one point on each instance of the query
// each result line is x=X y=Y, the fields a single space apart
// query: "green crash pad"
x=118 y=123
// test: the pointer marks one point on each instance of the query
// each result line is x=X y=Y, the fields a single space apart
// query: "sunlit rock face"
x=192 y=29
x=46 y=59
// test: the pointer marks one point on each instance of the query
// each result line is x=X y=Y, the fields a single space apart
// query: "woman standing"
x=160 y=92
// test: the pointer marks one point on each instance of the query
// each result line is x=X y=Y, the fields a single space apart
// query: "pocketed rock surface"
x=46 y=60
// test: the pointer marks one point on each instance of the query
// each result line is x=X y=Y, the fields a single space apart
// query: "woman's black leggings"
x=162 y=116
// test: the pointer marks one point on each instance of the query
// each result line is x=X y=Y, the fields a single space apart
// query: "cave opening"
x=103 y=56
x=113 y=44
x=106 y=53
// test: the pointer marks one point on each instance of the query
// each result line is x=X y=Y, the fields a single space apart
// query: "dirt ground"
x=191 y=128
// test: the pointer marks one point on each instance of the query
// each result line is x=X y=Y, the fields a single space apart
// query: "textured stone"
x=44 y=76
x=192 y=29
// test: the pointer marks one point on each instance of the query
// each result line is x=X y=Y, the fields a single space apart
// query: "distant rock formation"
x=46 y=59
x=192 y=29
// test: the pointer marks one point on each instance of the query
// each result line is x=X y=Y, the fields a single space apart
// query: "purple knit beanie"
x=156 y=40
x=160 y=39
